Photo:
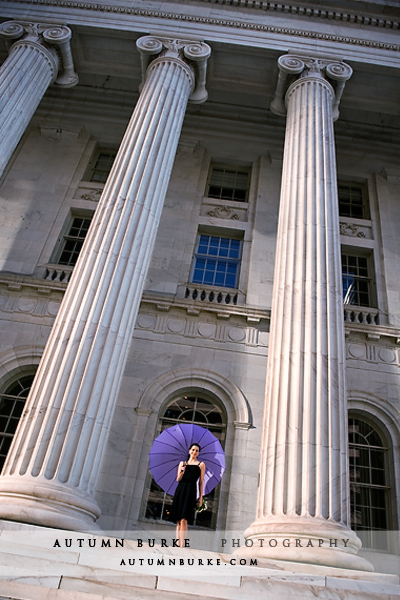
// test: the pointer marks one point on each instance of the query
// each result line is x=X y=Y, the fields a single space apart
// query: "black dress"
x=184 y=502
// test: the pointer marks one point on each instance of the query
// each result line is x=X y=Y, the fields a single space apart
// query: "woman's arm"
x=201 y=482
x=181 y=470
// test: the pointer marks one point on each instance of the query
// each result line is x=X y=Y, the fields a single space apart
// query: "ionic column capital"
x=193 y=56
x=45 y=37
x=333 y=72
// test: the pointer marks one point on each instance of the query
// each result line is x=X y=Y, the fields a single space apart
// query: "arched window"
x=203 y=412
x=369 y=483
x=11 y=406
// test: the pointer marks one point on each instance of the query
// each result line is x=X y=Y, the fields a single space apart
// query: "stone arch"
x=160 y=392
x=386 y=418
x=379 y=410
x=18 y=361
x=204 y=381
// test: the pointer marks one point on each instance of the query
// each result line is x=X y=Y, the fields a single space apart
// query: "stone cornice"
x=29 y=285
x=311 y=12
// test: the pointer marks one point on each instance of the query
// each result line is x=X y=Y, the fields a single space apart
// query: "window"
x=217 y=261
x=203 y=412
x=353 y=201
x=356 y=280
x=102 y=166
x=73 y=241
x=369 y=489
x=228 y=183
x=11 y=406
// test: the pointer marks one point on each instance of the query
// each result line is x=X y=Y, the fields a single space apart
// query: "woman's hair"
x=195 y=444
x=191 y=446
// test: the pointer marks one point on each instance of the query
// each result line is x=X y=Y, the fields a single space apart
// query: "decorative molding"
x=88 y=192
x=352 y=230
x=205 y=380
x=337 y=72
x=44 y=36
x=192 y=53
x=190 y=326
x=240 y=425
x=144 y=412
x=38 y=306
x=372 y=351
x=223 y=212
x=357 y=19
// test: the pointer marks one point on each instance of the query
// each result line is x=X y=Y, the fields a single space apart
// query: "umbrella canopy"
x=172 y=446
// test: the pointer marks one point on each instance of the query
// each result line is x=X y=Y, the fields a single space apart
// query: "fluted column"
x=32 y=65
x=51 y=471
x=304 y=488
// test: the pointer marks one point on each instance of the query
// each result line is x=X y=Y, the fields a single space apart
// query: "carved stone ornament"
x=91 y=195
x=351 y=230
x=312 y=12
x=223 y=212
x=46 y=36
x=306 y=66
x=193 y=54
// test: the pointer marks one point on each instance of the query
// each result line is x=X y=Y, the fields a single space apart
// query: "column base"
x=48 y=504
x=304 y=540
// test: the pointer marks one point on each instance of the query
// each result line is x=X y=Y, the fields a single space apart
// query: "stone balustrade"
x=211 y=295
x=362 y=315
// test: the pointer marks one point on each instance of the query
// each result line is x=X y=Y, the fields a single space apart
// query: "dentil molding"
x=310 y=12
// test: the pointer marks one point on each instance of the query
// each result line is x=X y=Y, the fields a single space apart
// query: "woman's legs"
x=181 y=529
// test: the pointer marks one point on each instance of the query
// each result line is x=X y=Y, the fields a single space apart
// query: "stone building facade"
x=228 y=175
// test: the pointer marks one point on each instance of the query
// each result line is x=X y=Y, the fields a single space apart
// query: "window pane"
x=11 y=406
x=73 y=241
x=356 y=280
x=222 y=270
x=352 y=201
x=228 y=184
x=103 y=166
x=369 y=490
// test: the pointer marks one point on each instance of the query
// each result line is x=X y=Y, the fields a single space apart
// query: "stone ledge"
x=32 y=570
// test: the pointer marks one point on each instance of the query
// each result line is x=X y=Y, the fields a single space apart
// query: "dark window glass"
x=228 y=184
x=103 y=166
x=11 y=406
x=356 y=280
x=73 y=241
x=352 y=201
x=369 y=489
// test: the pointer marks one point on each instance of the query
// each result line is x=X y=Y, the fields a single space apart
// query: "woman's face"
x=194 y=452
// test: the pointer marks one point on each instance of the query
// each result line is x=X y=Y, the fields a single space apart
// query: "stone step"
x=32 y=569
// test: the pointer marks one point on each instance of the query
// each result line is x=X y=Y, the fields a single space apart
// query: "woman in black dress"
x=184 y=502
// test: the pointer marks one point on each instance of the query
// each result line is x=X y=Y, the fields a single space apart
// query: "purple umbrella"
x=172 y=446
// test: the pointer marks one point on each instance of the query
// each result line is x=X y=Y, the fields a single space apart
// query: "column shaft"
x=303 y=491
x=24 y=77
x=58 y=447
x=32 y=65
x=306 y=435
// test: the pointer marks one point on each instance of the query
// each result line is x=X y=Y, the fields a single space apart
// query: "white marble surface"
x=52 y=471
x=304 y=462
x=31 y=574
x=32 y=66
x=38 y=191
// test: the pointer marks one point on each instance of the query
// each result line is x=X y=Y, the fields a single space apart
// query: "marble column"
x=303 y=499
x=50 y=474
x=32 y=66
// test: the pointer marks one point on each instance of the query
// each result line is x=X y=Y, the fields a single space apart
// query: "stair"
x=33 y=566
